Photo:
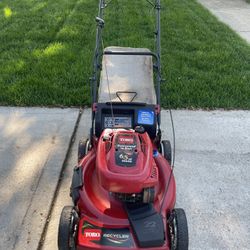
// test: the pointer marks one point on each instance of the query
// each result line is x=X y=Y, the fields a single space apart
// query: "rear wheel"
x=68 y=227
x=83 y=148
x=178 y=229
x=166 y=150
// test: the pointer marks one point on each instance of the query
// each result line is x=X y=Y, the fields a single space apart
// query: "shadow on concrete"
x=34 y=143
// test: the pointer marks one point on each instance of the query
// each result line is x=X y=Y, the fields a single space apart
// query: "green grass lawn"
x=46 y=52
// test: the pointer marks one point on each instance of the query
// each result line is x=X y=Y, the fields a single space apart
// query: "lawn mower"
x=123 y=187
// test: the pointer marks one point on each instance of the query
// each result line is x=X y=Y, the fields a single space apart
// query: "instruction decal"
x=145 y=117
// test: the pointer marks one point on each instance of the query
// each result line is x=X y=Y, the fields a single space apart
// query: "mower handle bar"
x=132 y=53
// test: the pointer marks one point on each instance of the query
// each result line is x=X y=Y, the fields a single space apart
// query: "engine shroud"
x=124 y=161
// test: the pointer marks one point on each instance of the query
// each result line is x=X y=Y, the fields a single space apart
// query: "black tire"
x=179 y=230
x=166 y=150
x=67 y=231
x=83 y=148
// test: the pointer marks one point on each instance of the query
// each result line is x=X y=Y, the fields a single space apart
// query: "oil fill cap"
x=139 y=129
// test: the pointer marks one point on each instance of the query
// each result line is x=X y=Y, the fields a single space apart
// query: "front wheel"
x=68 y=227
x=178 y=229
x=83 y=148
x=166 y=150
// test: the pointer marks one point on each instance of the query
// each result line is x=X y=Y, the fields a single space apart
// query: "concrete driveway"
x=212 y=173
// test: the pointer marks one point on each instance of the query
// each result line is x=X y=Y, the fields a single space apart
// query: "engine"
x=125 y=165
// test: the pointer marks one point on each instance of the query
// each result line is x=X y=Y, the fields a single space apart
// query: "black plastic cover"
x=147 y=225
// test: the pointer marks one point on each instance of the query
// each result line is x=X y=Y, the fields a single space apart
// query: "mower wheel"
x=83 y=148
x=166 y=150
x=67 y=231
x=178 y=230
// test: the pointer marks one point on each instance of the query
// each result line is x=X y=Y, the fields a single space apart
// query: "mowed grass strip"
x=46 y=50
